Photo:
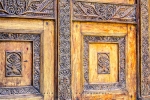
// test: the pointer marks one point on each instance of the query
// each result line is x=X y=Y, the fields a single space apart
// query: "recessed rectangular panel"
x=103 y=63
x=116 y=47
x=16 y=68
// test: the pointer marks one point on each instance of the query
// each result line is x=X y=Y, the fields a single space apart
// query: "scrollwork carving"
x=145 y=57
x=103 y=63
x=88 y=11
x=27 y=8
x=64 y=72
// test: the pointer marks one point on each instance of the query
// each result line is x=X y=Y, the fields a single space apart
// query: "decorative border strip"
x=145 y=68
x=35 y=38
x=91 y=11
x=64 y=70
x=122 y=76
x=28 y=8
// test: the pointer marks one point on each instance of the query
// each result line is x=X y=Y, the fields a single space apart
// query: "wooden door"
x=97 y=46
x=27 y=49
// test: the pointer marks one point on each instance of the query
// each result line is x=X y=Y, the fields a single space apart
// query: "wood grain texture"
x=26 y=78
x=131 y=62
x=81 y=29
x=47 y=79
x=46 y=28
x=112 y=49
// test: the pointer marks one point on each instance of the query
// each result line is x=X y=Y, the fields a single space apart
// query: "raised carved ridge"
x=90 y=11
x=35 y=38
x=103 y=63
x=13 y=64
x=145 y=58
x=64 y=72
x=122 y=76
x=18 y=90
x=27 y=8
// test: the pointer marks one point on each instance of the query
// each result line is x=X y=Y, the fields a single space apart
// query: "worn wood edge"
x=27 y=17
x=21 y=96
x=105 y=21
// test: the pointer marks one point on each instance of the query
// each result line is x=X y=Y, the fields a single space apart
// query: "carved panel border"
x=28 y=8
x=122 y=75
x=145 y=67
x=35 y=38
x=92 y=11
x=64 y=70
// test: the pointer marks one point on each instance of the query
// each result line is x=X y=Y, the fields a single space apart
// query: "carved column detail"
x=145 y=58
x=64 y=71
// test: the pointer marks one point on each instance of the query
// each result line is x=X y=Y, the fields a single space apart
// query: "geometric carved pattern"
x=13 y=63
x=90 y=11
x=64 y=72
x=121 y=84
x=27 y=8
x=145 y=57
x=35 y=39
x=103 y=65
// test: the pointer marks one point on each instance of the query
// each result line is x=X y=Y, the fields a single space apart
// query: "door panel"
x=27 y=59
x=102 y=67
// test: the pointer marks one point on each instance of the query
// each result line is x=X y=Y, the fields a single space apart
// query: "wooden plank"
x=47 y=70
x=18 y=24
x=103 y=29
x=131 y=62
x=76 y=62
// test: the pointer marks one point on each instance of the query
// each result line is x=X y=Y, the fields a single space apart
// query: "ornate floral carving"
x=145 y=58
x=27 y=8
x=87 y=11
x=35 y=38
x=18 y=90
x=122 y=77
x=64 y=72
x=13 y=64
x=103 y=63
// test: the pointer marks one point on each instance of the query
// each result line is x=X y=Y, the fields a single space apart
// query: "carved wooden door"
x=97 y=50
x=27 y=49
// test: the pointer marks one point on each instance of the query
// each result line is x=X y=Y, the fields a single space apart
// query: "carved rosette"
x=89 y=11
x=14 y=58
x=64 y=72
x=122 y=75
x=103 y=63
x=13 y=64
x=27 y=8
